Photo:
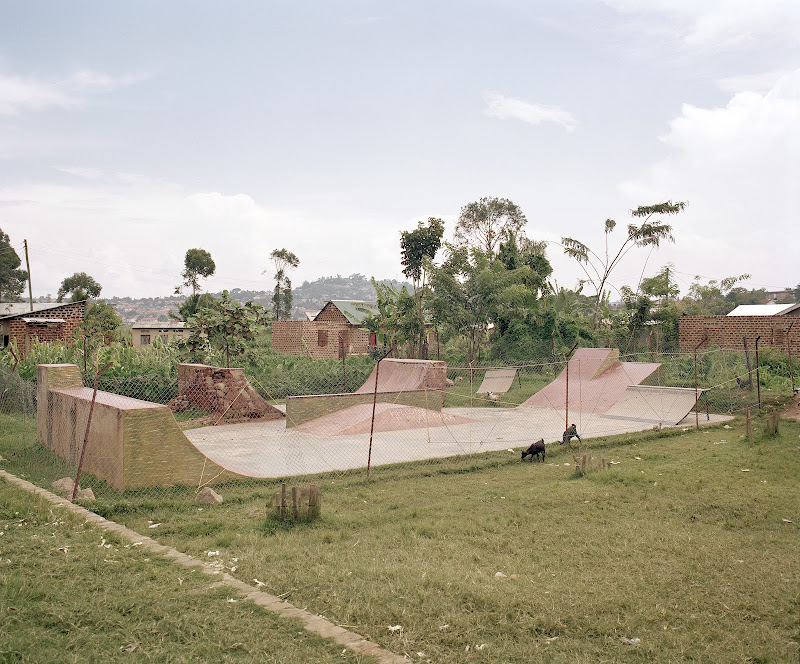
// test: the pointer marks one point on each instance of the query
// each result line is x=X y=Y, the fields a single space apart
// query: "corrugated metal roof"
x=354 y=311
x=765 y=309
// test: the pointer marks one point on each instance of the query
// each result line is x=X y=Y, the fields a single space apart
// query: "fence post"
x=749 y=427
x=86 y=436
x=758 y=374
x=789 y=351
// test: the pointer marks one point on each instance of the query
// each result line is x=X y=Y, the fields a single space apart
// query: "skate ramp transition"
x=132 y=444
x=497 y=381
x=597 y=380
x=388 y=417
x=654 y=405
x=417 y=383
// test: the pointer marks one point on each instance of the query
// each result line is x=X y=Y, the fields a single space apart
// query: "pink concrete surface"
x=404 y=375
x=388 y=417
x=590 y=391
x=106 y=398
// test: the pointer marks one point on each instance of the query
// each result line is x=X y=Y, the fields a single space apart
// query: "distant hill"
x=310 y=295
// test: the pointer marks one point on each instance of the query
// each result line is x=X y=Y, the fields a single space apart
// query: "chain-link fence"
x=209 y=426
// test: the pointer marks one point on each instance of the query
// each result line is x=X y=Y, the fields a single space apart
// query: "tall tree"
x=661 y=285
x=283 y=260
x=225 y=327
x=12 y=279
x=197 y=263
x=483 y=223
x=418 y=249
x=649 y=233
x=192 y=305
x=710 y=298
x=100 y=322
x=81 y=286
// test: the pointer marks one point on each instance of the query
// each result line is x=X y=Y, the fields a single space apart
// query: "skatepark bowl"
x=397 y=418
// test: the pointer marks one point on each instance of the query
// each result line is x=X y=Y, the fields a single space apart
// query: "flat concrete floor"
x=269 y=449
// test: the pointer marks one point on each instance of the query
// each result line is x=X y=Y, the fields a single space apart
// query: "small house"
x=46 y=321
x=336 y=331
x=144 y=333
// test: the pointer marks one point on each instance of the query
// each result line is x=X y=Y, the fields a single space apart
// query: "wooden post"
x=295 y=510
x=758 y=374
x=313 y=501
x=88 y=426
x=749 y=427
x=283 y=501
x=28 y=265
x=789 y=352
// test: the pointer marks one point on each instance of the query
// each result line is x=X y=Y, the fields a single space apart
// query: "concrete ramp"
x=132 y=444
x=405 y=376
x=388 y=417
x=497 y=381
x=417 y=383
x=659 y=405
x=597 y=380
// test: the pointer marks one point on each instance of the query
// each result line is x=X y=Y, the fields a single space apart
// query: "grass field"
x=685 y=549
x=70 y=592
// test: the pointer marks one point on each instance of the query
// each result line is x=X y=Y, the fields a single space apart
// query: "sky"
x=131 y=132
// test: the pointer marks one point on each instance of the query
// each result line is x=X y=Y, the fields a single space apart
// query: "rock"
x=63 y=487
x=85 y=494
x=208 y=496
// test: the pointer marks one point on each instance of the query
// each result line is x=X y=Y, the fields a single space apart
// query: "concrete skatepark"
x=137 y=444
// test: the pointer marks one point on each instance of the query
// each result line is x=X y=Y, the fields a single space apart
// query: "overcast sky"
x=131 y=132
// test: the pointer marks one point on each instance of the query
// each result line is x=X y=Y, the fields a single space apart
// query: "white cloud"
x=718 y=23
x=19 y=94
x=502 y=107
x=131 y=232
x=761 y=82
x=738 y=167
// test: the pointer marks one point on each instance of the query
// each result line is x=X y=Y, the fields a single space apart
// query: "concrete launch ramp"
x=597 y=380
x=659 y=405
x=418 y=383
x=405 y=376
x=497 y=381
x=132 y=444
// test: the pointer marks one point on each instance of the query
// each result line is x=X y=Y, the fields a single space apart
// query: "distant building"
x=336 y=331
x=144 y=333
x=47 y=322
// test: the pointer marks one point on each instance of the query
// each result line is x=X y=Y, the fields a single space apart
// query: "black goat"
x=535 y=450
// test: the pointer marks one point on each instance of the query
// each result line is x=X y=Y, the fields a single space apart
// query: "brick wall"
x=729 y=331
x=222 y=391
x=319 y=339
x=24 y=333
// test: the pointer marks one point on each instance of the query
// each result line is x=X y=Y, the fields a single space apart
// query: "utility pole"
x=28 y=265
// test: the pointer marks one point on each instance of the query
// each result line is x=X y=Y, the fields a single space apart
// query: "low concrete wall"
x=132 y=444
x=309 y=407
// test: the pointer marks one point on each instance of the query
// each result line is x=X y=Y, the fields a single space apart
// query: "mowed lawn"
x=71 y=592
x=685 y=549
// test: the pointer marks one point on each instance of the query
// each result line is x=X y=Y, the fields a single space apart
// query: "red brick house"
x=47 y=322
x=336 y=331
x=775 y=325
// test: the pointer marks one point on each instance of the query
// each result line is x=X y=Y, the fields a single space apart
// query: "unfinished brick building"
x=336 y=331
x=51 y=322
x=782 y=332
